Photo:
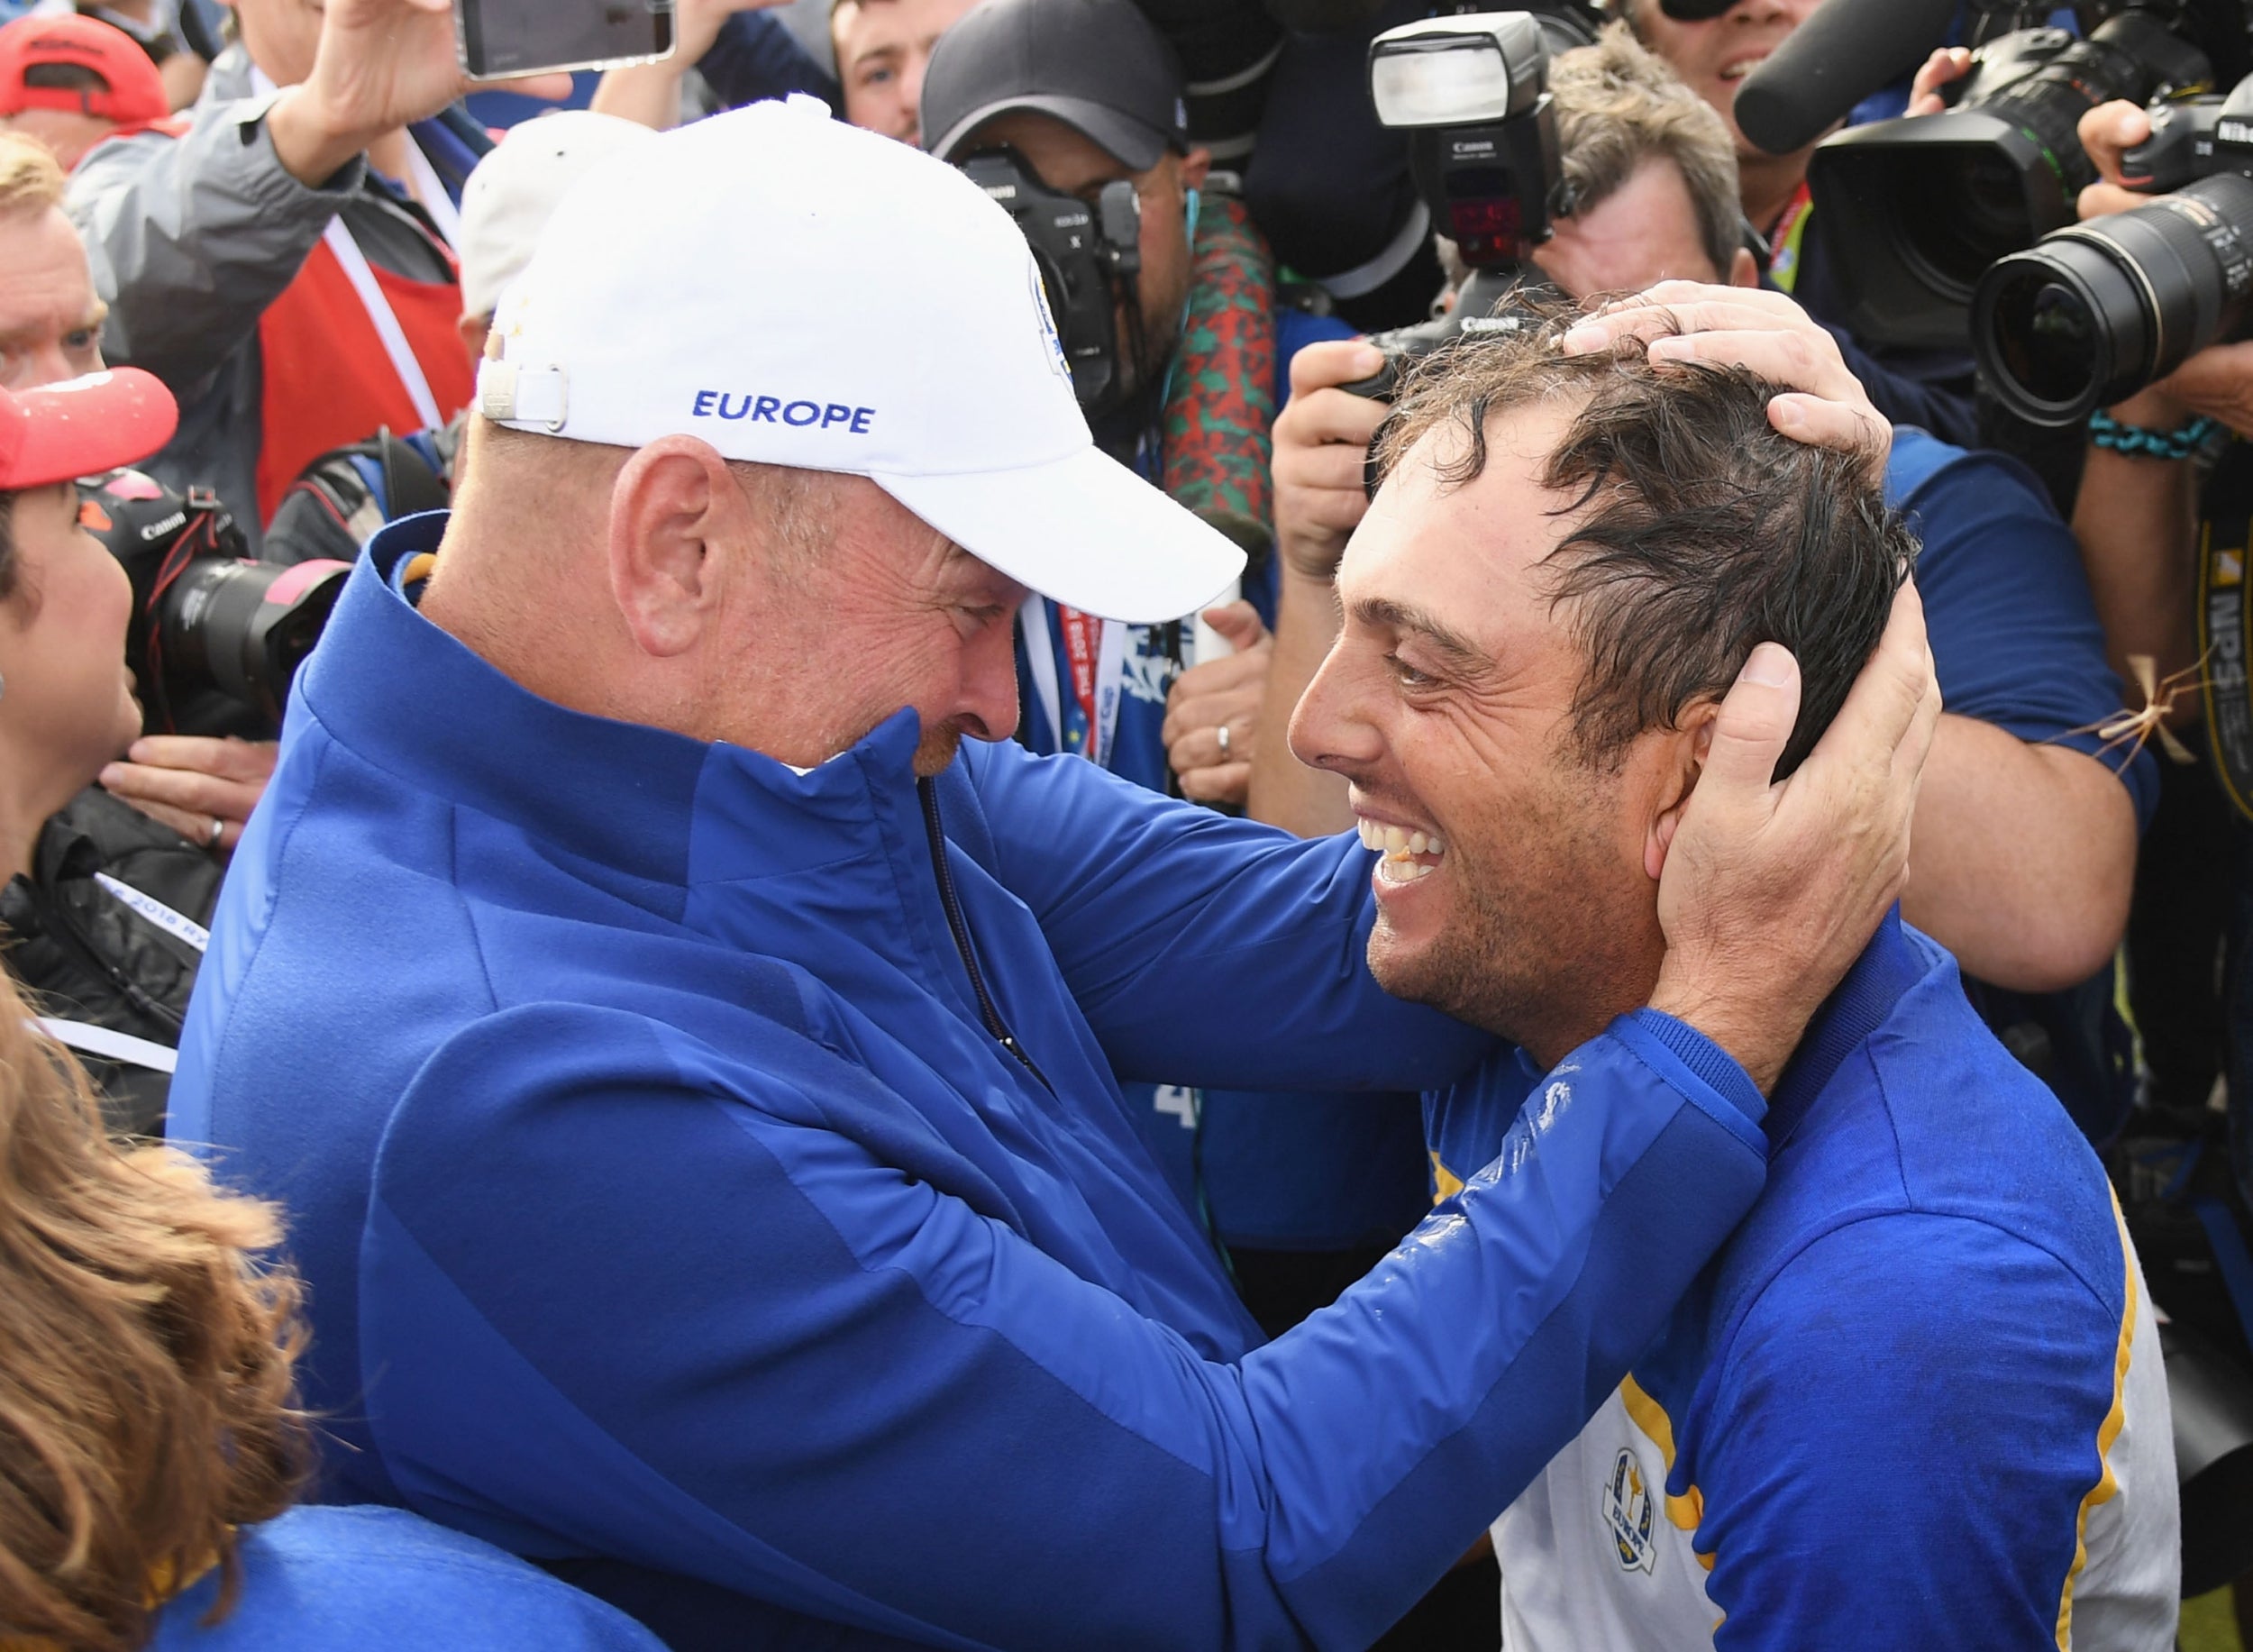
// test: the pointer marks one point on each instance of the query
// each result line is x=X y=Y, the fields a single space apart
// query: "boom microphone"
x=1846 y=51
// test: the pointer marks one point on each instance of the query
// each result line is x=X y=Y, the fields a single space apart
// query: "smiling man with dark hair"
x=1917 y=1400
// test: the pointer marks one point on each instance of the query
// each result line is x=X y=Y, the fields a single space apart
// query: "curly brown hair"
x=147 y=1403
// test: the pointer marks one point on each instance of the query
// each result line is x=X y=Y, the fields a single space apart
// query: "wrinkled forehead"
x=1468 y=550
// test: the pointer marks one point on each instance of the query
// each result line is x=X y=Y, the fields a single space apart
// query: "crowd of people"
x=837 y=852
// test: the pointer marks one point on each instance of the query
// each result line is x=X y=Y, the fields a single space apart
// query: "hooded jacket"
x=711 y=1181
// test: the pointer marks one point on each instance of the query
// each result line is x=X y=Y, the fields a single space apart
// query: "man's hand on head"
x=204 y=790
x=1771 y=889
x=381 y=65
x=1322 y=444
x=1749 y=327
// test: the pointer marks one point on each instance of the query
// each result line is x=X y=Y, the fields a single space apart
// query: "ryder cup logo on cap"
x=795 y=291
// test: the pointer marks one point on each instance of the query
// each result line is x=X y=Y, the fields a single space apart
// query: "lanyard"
x=108 y=1043
x=362 y=276
x=1790 y=232
x=2225 y=622
x=183 y=929
x=1095 y=653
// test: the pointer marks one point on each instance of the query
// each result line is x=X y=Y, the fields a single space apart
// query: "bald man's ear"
x=1744 y=269
x=1685 y=762
x=672 y=516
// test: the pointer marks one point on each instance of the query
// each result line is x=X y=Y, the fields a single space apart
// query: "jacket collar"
x=1889 y=966
x=409 y=698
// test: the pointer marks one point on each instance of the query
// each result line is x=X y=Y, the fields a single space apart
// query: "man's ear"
x=671 y=512
x=1195 y=165
x=1684 y=762
x=1744 y=269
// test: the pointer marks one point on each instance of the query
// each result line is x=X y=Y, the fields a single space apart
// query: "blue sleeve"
x=1893 y=1464
x=755 y=58
x=2015 y=631
x=628 y=1296
x=1180 y=930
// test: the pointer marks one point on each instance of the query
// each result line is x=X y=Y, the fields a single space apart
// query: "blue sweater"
x=672 y=1206
x=379 y=1580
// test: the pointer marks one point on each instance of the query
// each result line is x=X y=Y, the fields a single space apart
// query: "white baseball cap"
x=795 y=291
x=513 y=190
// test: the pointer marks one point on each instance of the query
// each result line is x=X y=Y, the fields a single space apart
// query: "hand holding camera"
x=1321 y=441
x=381 y=65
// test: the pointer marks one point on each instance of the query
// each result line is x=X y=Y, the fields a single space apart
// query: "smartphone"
x=536 y=37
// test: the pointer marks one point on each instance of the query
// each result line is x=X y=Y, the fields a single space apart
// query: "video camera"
x=1088 y=258
x=1915 y=210
x=1471 y=92
x=208 y=623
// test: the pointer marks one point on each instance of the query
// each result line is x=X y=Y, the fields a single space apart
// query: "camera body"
x=1916 y=209
x=214 y=635
x=1472 y=93
x=1088 y=257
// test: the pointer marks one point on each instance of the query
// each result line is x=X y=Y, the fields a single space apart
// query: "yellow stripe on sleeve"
x=2106 y=1487
x=1688 y=1510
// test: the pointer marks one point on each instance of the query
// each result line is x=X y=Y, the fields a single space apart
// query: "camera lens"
x=1954 y=212
x=2095 y=313
x=245 y=627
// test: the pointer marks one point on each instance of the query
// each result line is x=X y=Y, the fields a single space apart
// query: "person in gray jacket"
x=280 y=258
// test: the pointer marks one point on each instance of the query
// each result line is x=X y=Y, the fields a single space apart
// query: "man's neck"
x=1767 y=184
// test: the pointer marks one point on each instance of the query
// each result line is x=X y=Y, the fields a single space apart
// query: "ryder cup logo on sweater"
x=1628 y=1513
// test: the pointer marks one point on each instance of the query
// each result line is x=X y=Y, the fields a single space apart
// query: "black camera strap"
x=2225 y=621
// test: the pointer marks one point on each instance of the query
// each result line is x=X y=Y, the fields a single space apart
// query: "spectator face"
x=1714 y=57
x=282 y=36
x=1446 y=702
x=1643 y=233
x=51 y=321
x=883 y=47
x=1072 y=163
x=62 y=639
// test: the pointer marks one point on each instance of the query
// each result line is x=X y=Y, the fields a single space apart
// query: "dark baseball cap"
x=1096 y=65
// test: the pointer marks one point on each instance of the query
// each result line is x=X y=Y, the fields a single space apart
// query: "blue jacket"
x=379 y=1580
x=678 y=1203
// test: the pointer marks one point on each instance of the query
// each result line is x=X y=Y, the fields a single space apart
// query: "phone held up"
x=501 y=38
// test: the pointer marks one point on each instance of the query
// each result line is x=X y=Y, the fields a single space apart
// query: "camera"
x=214 y=634
x=1088 y=258
x=2094 y=313
x=1472 y=93
x=1915 y=210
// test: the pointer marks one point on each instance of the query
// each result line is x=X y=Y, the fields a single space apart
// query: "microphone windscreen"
x=1846 y=51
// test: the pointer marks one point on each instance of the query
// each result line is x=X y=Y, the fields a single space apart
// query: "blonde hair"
x=31 y=180
x=1619 y=105
x=147 y=1407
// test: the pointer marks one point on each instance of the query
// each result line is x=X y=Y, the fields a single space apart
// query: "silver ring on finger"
x=218 y=830
x=1223 y=733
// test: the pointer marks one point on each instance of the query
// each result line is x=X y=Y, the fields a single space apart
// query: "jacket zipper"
x=959 y=930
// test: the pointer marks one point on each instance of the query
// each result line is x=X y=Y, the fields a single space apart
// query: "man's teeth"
x=1398 y=844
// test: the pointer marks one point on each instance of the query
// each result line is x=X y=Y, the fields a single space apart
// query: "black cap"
x=1096 y=65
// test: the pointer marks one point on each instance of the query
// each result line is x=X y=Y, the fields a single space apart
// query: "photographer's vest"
x=348 y=350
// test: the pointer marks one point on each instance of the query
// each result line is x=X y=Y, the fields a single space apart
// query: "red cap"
x=82 y=427
x=134 y=93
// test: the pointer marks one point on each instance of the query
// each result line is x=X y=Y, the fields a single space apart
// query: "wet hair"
x=147 y=1405
x=1697 y=531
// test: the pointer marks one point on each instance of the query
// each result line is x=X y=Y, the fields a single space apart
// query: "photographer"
x=2163 y=520
x=1931 y=389
x=281 y=261
x=71 y=81
x=2025 y=852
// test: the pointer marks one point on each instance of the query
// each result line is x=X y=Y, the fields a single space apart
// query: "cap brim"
x=84 y=427
x=1084 y=531
x=1126 y=140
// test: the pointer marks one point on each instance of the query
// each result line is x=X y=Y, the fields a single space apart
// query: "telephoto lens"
x=245 y=627
x=2094 y=313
